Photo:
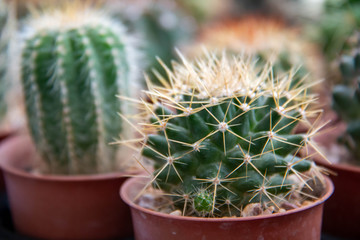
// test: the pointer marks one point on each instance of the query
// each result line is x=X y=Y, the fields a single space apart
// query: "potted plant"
x=225 y=160
x=342 y=149
x=74 y=61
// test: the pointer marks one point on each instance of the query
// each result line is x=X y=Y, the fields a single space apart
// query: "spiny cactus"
x=220 y=136
x=268 y=40
x=75 y=60
x=346 y=99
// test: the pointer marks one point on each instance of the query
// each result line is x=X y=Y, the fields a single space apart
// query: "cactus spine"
x=346 y=99
x=219 y=134
x=74 y=62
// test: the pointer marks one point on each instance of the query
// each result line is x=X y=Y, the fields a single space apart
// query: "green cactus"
x=74 y=62
x=4 y=57
x=339 y=19
x=163 y=25
x=346 y=100
x=220 y=136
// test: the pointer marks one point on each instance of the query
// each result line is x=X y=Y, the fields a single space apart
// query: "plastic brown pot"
x=297 y=224
x=342 y=211
x=62 y=207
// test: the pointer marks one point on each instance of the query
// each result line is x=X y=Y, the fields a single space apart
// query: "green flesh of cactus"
x=70 y=79
x=4 y=18
x=229 y=145
x=346 y=101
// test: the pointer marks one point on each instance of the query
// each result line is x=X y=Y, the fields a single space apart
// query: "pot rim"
x=338 y=166
x=129 y=182
x=6 y=157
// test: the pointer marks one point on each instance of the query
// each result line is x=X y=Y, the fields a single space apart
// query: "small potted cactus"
x=343 y=150
x=74 y=60
x=225 y=160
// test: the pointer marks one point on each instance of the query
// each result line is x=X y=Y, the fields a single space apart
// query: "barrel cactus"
x=74 y=61
x=346 y=100
x=220 y=137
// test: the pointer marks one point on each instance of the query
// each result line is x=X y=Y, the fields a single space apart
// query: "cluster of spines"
x=219 y=134
x=71 y=73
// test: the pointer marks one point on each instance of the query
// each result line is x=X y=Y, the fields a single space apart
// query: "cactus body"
x=220 y=136
x=4 y=40
x=74 y=63
x=346 y=100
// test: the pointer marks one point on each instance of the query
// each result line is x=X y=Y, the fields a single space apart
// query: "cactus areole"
x=220 y=136
x=74 y=63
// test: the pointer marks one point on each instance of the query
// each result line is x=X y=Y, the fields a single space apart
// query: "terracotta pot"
x=3 y=136
x=62 y=207
x=342 y=211
x=297 y=224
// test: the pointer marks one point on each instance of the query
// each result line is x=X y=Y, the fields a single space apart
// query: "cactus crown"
x=220 y=136
x=346 y=98
x=75 y=60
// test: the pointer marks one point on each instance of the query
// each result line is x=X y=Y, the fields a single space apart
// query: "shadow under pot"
x=298 y=224
x=62 y=207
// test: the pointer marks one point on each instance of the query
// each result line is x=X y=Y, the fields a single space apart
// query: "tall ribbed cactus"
x=74 y=62
x=220 y=136
x=346 y=99
x=4 y=42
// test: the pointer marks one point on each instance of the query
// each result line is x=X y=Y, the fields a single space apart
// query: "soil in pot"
x=62 y=207
x=298 y=224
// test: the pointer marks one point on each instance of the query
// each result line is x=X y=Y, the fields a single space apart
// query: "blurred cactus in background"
x=74 y=61
x=346 y=98
x=339 y=19
x=4 y=55
x=161 y=25
x=268 y=39
x=219 y=133
x=206 y=10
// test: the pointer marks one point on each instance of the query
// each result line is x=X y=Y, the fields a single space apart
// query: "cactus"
x=163 y=25
x=346 y=99
x=338 y=20
x=220 y=136
x=283 y=46
x=4 y=37
x=74 y=62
